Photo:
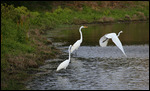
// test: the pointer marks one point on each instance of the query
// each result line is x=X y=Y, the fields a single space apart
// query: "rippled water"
x=95 y=68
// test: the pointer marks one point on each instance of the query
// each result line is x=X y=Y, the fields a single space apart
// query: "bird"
x=65 y=63
x=77 y=44
x=104 y=40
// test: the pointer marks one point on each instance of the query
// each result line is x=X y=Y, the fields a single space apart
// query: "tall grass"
x=14 y=41
x=14 y=34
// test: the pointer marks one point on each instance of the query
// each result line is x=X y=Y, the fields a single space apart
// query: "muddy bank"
x=107 y=20
x=23 y=66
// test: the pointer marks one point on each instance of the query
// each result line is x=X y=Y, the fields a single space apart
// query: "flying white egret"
x=65 y=63
x=78 y=42
x=104 y=41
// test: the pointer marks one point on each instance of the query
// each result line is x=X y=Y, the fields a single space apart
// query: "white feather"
x=65 y=63
x=104 y=41
x=116 y=40
x=77 y=44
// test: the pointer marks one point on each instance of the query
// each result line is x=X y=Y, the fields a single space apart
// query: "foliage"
x=13 y=33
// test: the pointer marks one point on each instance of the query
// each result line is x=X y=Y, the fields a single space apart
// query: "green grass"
x=14 y=41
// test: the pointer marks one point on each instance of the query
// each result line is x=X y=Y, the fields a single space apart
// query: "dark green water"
x=133 y=33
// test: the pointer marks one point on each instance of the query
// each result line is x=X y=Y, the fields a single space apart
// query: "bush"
x=13 y=29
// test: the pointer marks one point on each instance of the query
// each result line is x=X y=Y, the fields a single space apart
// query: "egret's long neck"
x=119 y=33
x=69 y=53
x=80 y=34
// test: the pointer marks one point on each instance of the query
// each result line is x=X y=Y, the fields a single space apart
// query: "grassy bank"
x=51 y=14
x=23 y=47
x=68 y=15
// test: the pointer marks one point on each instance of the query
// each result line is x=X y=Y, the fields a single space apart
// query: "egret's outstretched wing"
x=103 y=41
x=116 y=40
x=63 y=65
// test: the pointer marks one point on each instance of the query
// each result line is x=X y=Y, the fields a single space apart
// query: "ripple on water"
x=92 y=70
x=133 y=51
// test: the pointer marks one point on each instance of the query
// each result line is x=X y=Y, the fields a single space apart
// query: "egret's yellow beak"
x=85 y=26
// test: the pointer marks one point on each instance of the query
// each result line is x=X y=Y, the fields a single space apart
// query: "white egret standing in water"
x=65 y=63
x=104 y=40
x=78 y=42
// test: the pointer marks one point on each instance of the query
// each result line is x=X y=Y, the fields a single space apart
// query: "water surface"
x=135 y=33
x=96 y=68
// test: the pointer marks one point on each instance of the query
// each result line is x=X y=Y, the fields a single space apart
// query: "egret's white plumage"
x=65 y=63
x=78 y=42
x=119 y=33
x=104 y=40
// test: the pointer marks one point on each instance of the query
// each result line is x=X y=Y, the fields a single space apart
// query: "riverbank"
x=23 y=46
x=49 y=15
x=17 y=68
